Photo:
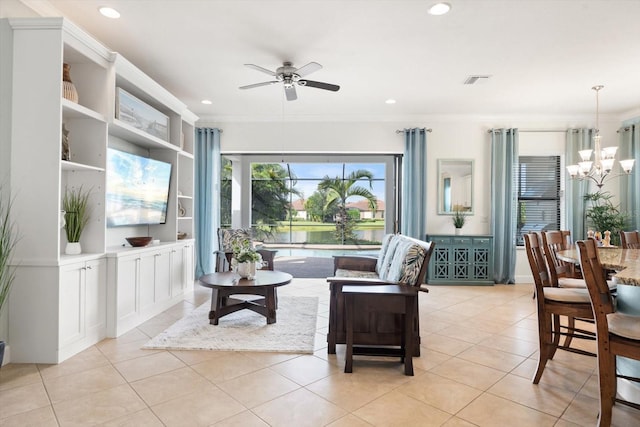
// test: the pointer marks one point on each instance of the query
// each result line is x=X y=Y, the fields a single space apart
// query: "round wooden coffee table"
x=228 y=283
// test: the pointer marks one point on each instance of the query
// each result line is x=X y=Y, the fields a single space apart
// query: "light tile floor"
x=479 y=351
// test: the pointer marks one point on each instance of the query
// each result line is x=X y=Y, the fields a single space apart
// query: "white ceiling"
x=544 y=56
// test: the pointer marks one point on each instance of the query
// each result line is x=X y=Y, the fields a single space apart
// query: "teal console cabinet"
x=461 y=260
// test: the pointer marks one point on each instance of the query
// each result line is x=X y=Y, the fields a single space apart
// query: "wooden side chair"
x=630 y=239
x=553 y=302
x=574 y=269
x=617 y=334
x=562 y=274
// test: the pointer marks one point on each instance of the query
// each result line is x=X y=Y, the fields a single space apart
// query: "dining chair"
x=574 y=269
x=562 y=274
x=630 y=239
x=618 y=334
x=553 y=302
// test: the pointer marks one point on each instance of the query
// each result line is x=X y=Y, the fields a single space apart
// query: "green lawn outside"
x=320 y=226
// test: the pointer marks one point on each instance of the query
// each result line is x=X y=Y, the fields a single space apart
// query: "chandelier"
x=600 y=168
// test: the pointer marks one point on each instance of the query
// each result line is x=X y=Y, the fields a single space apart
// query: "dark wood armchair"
x=377 y=328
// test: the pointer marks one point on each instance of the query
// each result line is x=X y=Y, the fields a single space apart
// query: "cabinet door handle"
x=88 y=267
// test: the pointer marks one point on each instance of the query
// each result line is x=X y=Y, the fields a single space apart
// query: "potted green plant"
x=603 y=215
x=245 y=259
x=8 y=239
x=75 y=204
x=458 y=219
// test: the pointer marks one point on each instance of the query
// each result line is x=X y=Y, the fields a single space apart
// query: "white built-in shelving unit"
x=61 y=304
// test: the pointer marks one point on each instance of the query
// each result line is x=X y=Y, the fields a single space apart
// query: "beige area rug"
x=244 y=330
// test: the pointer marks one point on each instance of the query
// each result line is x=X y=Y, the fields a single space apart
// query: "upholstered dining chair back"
x=630 y=239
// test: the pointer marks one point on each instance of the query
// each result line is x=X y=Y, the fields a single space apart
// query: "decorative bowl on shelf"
x=139 y=241
x=181 y=235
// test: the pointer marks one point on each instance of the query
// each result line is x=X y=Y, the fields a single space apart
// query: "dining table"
x=625 y=263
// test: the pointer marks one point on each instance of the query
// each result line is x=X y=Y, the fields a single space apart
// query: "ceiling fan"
x=292 y=76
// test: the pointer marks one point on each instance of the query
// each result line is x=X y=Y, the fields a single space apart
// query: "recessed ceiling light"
x=206 y=102
x=439 y=8
x=390 y=101
x=109 y=12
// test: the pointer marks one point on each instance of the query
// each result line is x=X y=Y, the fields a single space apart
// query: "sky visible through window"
x=310 y=174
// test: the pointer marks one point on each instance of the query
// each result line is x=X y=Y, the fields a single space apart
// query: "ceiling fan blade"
x=319 y=85
x=259 y=68
x=259 y=84
x=290 y=91
x=308 y=69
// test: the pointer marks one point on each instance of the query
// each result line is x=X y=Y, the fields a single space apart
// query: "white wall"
x=451 y=138
x=11 y=8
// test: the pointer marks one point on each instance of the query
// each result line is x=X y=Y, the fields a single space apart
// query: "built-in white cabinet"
x=144 y=282
x=83 y=305
x=39 y=118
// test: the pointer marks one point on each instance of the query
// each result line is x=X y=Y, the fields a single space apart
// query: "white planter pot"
x=247 y=270
x=458 y=231
x=73 y=248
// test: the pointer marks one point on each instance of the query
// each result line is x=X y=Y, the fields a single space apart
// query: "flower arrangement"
x=458 y=218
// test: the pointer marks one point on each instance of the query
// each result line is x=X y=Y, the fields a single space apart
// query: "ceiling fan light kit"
x=291 y=76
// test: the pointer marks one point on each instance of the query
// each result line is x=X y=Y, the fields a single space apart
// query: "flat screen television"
x=137 y=189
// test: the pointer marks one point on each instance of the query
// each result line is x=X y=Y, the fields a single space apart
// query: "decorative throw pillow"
x=397 y=263
x=227 y=236
x=388 y=257
x=412 y=264
x=383 y=251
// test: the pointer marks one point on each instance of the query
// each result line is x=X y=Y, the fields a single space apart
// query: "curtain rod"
x=534 y=130
x=402 y=130
x=205 y=127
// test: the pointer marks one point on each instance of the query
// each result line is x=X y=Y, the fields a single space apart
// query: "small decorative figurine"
x=607 y=238
x=65 y=155
x=598 y=237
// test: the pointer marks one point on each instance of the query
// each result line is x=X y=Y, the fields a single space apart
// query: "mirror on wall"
x=455 y=186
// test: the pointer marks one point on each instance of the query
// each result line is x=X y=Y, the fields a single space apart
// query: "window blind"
x=538 y=194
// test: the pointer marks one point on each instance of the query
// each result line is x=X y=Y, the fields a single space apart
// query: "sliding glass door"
x=319 y=200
